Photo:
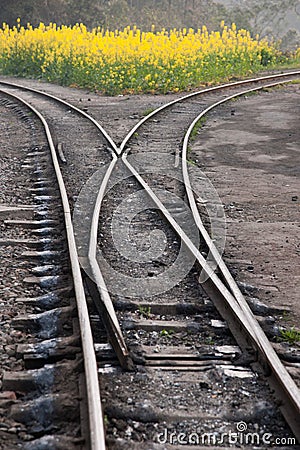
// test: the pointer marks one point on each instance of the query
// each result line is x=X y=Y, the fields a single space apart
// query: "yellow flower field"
x=131 y=61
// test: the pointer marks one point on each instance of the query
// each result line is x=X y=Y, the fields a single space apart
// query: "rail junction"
x=161 y=310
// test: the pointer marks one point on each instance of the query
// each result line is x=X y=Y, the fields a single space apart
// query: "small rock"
x=26 y=437
x=294 y=198
x=129 y=431
x=8 y=395
x=10 y=350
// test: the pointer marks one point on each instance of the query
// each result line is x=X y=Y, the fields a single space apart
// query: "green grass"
x=194 y=133
x=167 y=332
x=290 y=335
x=148 y=111
x=145 y=311
x=198 y=125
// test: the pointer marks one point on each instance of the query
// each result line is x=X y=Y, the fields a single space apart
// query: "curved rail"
x=286 y=388
x=195 y=94
x=111 y=321
x=209 y=242
x=237 y=307
x=237 y=310
x=117 y=338
x=69 y=105
x=227 y=291
x=97 y=431
x=119 y=150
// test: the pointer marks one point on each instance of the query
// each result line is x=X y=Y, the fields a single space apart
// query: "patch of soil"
x=249 y=148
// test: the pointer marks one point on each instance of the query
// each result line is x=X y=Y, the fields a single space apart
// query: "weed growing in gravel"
x=290 y=335
x=133 y=61
x=106 y=420
x=145 y=311
x=209 y=341
x=167 y=332
x=148 y=111
x=201 y=122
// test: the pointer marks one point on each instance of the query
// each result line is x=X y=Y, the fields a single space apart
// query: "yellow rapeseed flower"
x=130 y=59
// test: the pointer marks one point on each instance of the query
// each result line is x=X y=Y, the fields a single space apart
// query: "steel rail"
x=118 y=344
x=96 y=423
x=69 y=105
x=195 y=94
x=119 y=150
x=187 y=183
x=92 y=253
x=238 y=307
x=242 y=318
x=242 y=315
x=118 y=341
x=286 y=388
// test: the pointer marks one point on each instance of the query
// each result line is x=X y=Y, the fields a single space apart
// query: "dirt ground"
x=250 y=149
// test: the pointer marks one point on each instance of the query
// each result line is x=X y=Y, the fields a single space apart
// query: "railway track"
x=145 y=181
